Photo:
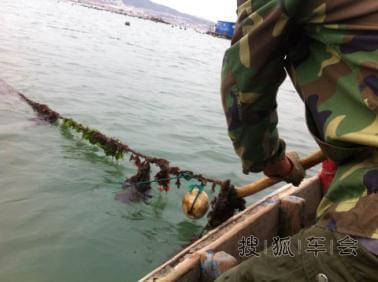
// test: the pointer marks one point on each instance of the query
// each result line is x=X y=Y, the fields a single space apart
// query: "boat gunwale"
x=182 y=262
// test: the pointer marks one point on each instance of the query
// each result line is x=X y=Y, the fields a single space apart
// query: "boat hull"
x=281 y=213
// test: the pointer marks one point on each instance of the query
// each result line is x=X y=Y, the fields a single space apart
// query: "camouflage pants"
x=330 y=264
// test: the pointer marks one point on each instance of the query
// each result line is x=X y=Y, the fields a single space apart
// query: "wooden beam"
x=292 y=215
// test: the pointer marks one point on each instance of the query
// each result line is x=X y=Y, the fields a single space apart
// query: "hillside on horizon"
x=162 y=9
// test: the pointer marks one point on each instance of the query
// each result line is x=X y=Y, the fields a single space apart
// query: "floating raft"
x=282 y=213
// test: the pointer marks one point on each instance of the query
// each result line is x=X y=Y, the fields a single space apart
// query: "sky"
x=208 y=9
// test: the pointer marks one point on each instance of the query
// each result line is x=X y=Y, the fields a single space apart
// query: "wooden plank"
x=312 y=198
x=260 y=219
x=254 y=224
x=292 y=215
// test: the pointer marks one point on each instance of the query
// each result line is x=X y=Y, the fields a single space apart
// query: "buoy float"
x=195 y=203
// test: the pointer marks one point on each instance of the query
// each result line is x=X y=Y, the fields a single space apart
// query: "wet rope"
x=115 y=148
x=222 y=207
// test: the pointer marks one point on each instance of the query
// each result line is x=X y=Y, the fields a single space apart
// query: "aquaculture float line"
x=114 y=148
x=223 y=206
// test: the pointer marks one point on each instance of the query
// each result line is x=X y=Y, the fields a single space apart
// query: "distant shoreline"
x=118 y=10
x=136 y=13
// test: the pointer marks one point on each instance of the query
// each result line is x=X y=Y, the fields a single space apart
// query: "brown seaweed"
x=224 y=205
x=44 y=112
x=136 y=188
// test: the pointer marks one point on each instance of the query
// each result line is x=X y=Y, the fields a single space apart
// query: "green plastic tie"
x=201 y=187
x=186 y=175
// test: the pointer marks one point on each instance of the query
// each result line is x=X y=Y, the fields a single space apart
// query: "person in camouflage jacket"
x=329 y=48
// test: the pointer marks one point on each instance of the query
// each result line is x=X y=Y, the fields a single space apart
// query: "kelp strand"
x=115 y=148
x=223 y=206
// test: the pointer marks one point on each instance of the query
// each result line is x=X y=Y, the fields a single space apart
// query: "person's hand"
x=214 y=264
x=288 y=169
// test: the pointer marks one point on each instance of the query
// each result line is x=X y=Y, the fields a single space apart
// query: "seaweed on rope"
x=223 y=206
x=115 y=148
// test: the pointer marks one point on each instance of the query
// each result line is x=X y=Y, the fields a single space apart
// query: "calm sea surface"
x=153 y=87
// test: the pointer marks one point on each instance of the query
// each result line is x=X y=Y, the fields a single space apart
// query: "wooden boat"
x=282 y=213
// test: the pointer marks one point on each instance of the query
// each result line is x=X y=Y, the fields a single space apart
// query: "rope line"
x=118 y=150
x=200 y=188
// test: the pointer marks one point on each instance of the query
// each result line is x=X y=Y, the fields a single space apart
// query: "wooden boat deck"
x=263 y=219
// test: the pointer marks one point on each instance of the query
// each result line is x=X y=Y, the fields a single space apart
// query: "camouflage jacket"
x=329 y=48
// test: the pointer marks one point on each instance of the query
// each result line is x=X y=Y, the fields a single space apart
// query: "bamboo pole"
x=266 y=182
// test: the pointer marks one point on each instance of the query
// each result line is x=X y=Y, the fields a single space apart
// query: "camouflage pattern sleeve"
x=253 y=69
x=250 y=79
